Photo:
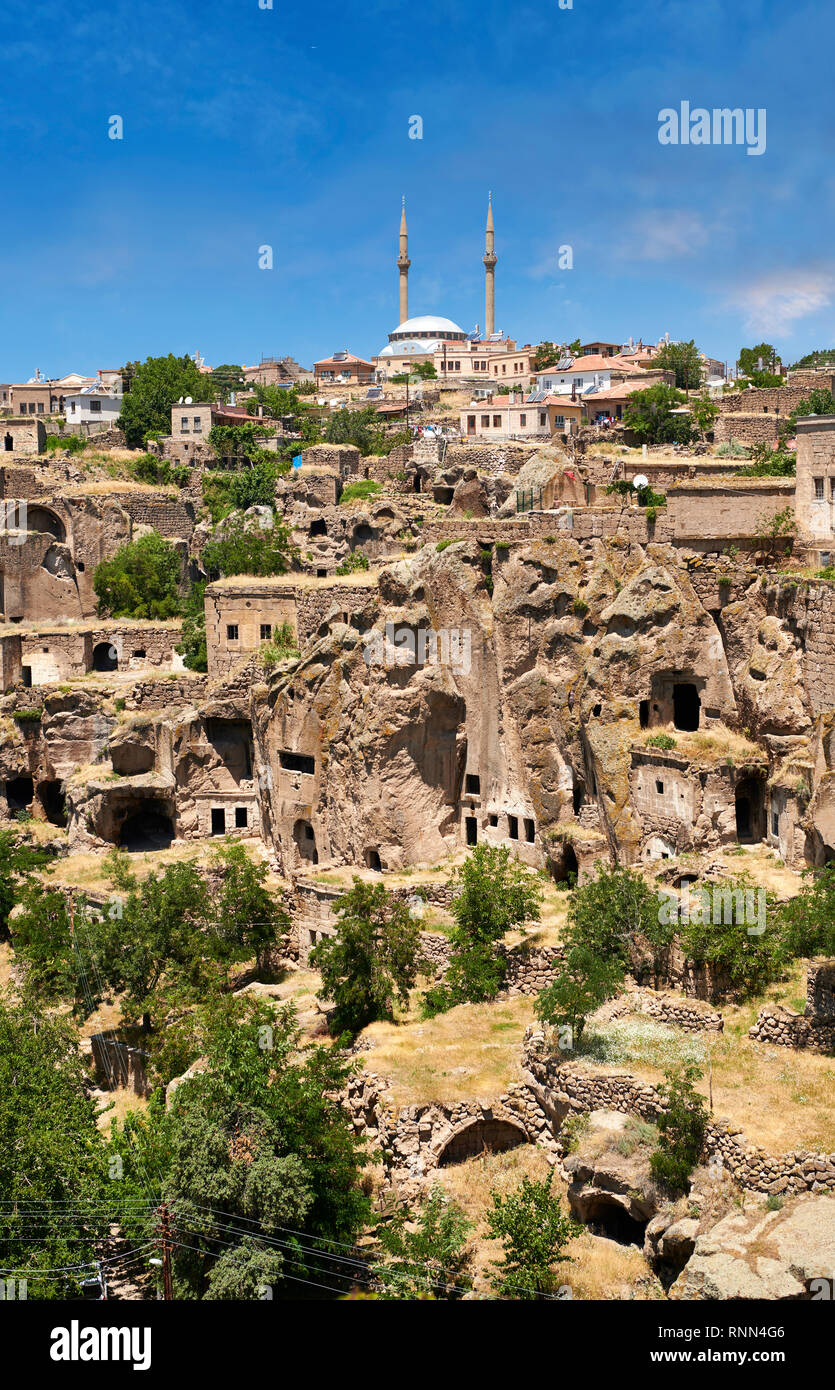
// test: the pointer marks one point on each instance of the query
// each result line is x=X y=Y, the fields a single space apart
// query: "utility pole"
x=165 y=1248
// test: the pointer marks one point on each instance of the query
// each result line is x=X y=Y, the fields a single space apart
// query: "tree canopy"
x=142 y=580
x=151 y=388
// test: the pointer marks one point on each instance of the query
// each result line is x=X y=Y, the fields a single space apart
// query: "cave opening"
x=146 y=829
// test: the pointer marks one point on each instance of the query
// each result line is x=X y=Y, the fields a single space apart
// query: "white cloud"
x=772 y=303
x=664 y=235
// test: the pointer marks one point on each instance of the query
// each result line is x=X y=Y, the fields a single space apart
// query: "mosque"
x=490 y=357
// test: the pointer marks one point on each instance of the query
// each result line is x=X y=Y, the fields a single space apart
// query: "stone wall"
x=724 y=508
x=747 y=428
x=764 y=400
x=785 y=1028
x=564 y=1087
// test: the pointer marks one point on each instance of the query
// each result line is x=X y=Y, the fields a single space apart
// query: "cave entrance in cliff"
x=565 y=868
x=305 y=839
x=686 y=707
x=20 y=792
x=51 y=797
x=146 y=828
x=105 y=657
x=372 y=859
x=471 y=830
x=482 y=1137
x=749 y=803
x=604 y=1218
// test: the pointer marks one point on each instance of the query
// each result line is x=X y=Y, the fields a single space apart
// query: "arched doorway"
x=45 y=521
x=148 y=827
x=105 y=657
x=480 y=1137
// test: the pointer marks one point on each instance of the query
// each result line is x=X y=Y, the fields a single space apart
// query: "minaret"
x=403 y=264
x=489 y=273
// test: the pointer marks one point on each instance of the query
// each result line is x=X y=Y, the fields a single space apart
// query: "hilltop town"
x=460 y=720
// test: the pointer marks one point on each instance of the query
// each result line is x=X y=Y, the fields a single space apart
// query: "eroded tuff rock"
x=763 y=1254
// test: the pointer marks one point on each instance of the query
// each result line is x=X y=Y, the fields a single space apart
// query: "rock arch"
x=486 y=1134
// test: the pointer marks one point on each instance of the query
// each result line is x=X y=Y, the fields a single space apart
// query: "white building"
x=98 y=404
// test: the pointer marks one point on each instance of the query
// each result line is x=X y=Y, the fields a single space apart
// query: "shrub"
x=681 y=1128
x=140 y=581
x=356 y=560
x=27 y=716
x=663 y=741
x=534 y=1231
x=243 y=548
x=362 y=488
x=281 y=646
x=580 y=607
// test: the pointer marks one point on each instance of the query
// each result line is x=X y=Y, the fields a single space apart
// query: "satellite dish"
x=180 y=401
x=640 y=481
x=187 y=401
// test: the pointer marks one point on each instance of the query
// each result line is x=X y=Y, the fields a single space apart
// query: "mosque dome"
x=425 y=334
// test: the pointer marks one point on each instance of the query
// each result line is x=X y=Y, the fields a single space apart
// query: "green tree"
x=807 y=921
x=747 y=362
x=649 y=415
x=547 y=355
x=227 y=378
x=617 y=915
x=18 y=861
x=141 y=580
x=684 y=360
x=534 y=1231
x=258 y=1148
x=46 y=944
x=151 y=388
x=241 y=547
x=818 y=402
x=703 y=412
x=681 y=1128
x=371 y=960
x=495 y=893
x=425 y=1254
x=192 y=645
x=52 y=1156
x=584 y=981
x=248 y=921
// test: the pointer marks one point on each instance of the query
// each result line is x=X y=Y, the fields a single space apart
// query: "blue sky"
x=290 y=127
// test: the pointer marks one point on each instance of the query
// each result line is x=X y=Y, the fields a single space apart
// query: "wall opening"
x=564 y=869
x=20 y=792
x=686 y=707
x=750 y=811
x=241 y=818
x=51 y=797
x=609 y=1219
x=232 y=741
x=40 y=519
x=513 y=827
x=372 y=859
x=318 y=528
x=305 y=839
x=105 y=657
x=297 y=762
x=471 y=828
x=149 y=827
x=482 y=1137
x=530 y=830
x=472 y=784
x=643 y=713
x=218 y=820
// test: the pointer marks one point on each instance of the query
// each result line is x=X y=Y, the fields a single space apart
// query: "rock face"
x=763 y=1255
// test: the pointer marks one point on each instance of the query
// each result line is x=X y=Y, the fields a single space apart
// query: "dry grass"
x=469 y=1053
x=716 y=745
x=86 y=870
x=116 y=1105
x=595 y=1269
x=359 y=579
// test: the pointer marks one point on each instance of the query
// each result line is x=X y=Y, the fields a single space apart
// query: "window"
x=183 y=424
x=775 y=823
x=530 y=830
x=513 y=827
x=472 y=784
x=485 y=422
x=523 y=420
x=819 y=489
x=559 y=421
x=72 y=407
x=497 y=422
x=504 y=369
x=492 y=819
x=198 y=425
x=40 y=407
x=297 y=762
x=542 y=417
x=659 y=787
x=240 y=817
x=266 y=631
x=218 y=820
x=231 y=632
x=95 y=407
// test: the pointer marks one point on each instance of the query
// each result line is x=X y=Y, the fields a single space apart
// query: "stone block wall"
x=785 y=1028
x=747 y=428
